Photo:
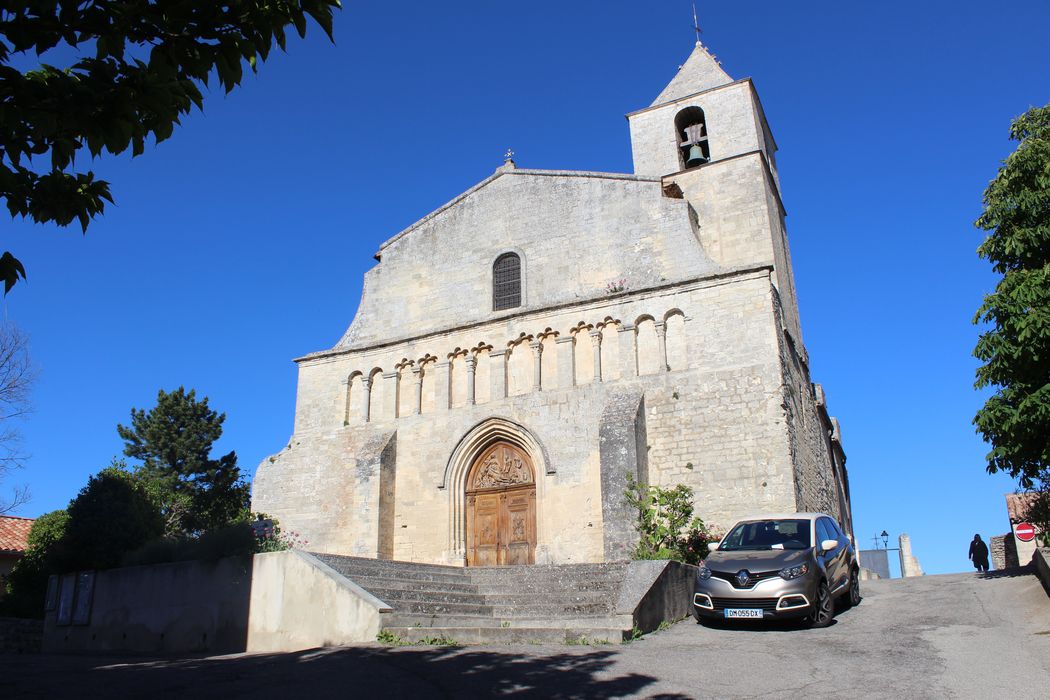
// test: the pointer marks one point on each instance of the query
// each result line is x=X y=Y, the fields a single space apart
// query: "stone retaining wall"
x=1042 y=566
x=279 y=601
x=20 y=636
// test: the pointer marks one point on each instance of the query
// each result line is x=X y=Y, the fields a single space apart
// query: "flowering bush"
x=616 y=287
x=666 y=525
x=270 y=538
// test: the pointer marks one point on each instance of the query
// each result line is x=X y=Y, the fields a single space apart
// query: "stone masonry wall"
x=714 y=422
x=820 y=480
x=437 y=274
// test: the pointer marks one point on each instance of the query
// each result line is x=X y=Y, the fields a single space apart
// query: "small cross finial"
x=508 y=157
x=696 y=26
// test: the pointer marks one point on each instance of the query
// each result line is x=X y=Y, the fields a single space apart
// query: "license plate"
x=744 y=612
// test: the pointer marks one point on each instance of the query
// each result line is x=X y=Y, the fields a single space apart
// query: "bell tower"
x=705 y=135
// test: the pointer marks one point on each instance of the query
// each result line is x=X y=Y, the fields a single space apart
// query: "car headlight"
x=703 y=573
x=790 y=572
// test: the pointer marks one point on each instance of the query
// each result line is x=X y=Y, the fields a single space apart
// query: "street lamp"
x=885 y=539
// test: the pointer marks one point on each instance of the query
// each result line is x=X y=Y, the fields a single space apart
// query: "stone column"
x=566 y=361
x=366 y=395
x=417 y=402
x=628 y=337
x=472 y=364
x=537 y=365
x=661 y=344
x=498 y=374
x=596 y=345
x=442 y=387
x=391 y=381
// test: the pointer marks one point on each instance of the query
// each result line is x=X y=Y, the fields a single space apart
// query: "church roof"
x=699 y=72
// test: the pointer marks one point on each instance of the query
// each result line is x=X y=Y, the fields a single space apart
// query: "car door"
x=835 y=563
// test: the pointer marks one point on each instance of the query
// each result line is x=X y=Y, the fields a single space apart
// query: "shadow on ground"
x=366 y=672
x=1011 y=572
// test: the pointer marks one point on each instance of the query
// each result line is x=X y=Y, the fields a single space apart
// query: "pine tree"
x=1015 y=350
x=173 y=440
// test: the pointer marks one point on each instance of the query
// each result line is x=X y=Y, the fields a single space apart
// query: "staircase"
x=573 y=603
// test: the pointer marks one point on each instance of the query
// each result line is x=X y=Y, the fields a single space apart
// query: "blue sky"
x=241 y=242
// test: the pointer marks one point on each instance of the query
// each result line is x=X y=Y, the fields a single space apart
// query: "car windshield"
x=768 y=534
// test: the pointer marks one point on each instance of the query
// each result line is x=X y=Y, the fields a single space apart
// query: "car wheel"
x=825 y=608
x=853 y=597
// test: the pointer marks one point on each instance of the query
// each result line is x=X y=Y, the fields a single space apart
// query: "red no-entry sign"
x=1025 y=532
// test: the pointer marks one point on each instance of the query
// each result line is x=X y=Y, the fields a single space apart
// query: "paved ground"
x=954 y=636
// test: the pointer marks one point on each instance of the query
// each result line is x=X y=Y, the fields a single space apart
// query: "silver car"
x=774 y=567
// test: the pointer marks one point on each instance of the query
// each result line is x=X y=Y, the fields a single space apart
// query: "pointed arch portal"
x=501 y=508
x=471 y=478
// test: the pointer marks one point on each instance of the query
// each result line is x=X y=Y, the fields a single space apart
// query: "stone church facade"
x=493 y=391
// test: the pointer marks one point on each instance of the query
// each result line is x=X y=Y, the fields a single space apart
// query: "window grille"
x=506 y=282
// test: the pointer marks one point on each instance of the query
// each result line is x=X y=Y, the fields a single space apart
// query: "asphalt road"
x=953 y=636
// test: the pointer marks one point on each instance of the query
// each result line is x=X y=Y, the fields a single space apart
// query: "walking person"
x=979 y=554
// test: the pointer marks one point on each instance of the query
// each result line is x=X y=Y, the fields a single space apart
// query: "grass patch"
x=584 y=640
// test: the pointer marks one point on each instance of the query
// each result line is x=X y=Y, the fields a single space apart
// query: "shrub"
x=666 y=526
x=27 y=583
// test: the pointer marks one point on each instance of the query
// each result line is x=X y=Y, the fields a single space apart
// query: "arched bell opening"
x=691 y=130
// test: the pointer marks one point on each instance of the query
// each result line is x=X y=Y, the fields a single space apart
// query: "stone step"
x=403 y=619
x=345 y=563
x=558 y=602
x=581 y=586
x=554 y=597
x=423 y=587
x=567 y=574
x=355 y=572
x=429 y=607
x=398 y=597
x=541 y=609
x=387 y=564
x=510 y=635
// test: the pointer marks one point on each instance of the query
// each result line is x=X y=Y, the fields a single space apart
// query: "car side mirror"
x=712 y=546
x=828 y=545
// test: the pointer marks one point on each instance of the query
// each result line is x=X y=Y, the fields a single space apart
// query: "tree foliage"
x=173 y=440
x=139 y=67
x=666 y=526
x=16 y=380
x=1015 y=350
x=27 y=582
x=111 y=516
x=1037 y=508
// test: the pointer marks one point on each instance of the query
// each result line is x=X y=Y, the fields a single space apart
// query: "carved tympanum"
x=503 y=466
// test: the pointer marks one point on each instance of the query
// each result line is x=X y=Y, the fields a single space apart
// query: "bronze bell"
x=696 y=156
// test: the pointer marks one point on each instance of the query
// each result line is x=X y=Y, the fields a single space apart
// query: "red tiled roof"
x=1017 y=504
x=14 y=534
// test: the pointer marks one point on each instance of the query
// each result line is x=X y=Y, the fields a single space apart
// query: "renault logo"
x=742 y=577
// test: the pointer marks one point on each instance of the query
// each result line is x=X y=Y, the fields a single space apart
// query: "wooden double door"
x=501 y=508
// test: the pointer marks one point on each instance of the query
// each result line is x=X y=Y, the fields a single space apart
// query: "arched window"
x=506 y=282
x=691 y=128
